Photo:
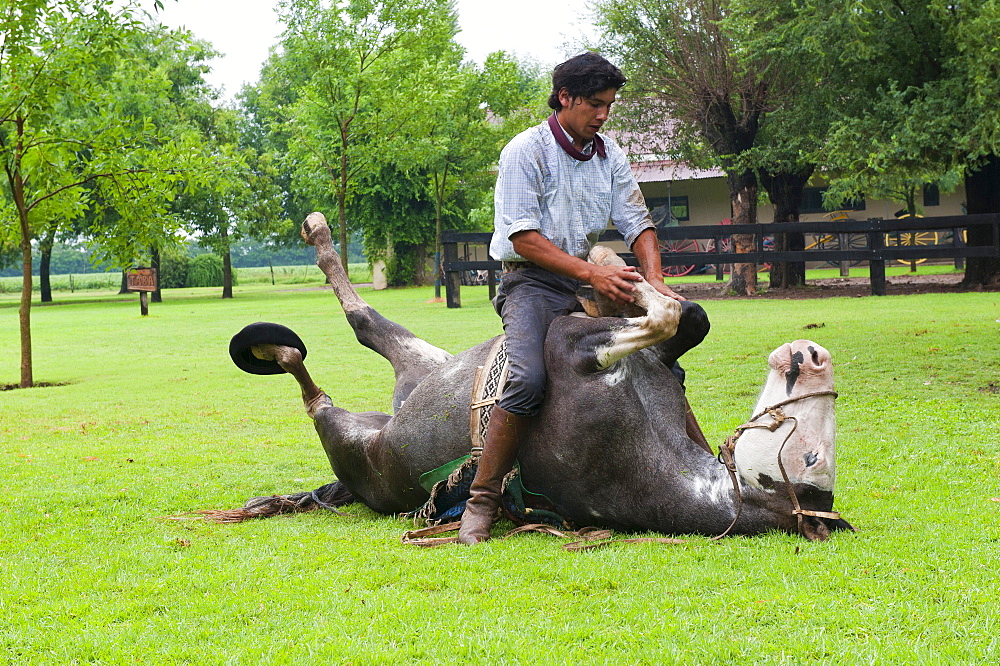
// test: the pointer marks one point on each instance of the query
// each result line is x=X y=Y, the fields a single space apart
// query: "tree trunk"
x=342 y=197
x=982 y=192
x=24 y=313
x=124 y=287
x=45 y=265
x=439 y=189
x=420 y=277
x=227 y=265
x=20 y=205
x=743 y=199
x=227 y=274
x=154 y=262
x=785 y=192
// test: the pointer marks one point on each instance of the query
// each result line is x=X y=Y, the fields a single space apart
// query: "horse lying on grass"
x=609 y=448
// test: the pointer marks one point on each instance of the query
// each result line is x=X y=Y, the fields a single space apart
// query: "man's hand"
x=664 y=289
x=615 y=282
x=647 y=251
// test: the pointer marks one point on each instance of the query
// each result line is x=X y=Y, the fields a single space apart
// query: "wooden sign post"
x=142 y=280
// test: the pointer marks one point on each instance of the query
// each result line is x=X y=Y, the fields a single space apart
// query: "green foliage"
x=173 y=273
x=690 y=79
x=394 y=209
x=363 y=94
x=912 y=77
x=205 y=270
x=402 y=267
x=94 y=468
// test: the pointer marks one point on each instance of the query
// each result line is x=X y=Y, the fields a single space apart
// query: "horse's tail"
x=326 y=497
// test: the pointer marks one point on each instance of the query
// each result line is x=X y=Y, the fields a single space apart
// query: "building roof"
x=656 y=171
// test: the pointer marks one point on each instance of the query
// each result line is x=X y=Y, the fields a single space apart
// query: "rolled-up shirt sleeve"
x=628 y=207
x=519 y=191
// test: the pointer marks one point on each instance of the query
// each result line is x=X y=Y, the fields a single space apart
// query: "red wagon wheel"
x=682 y=245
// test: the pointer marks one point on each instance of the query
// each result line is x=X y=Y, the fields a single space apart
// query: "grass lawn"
x=151 y=418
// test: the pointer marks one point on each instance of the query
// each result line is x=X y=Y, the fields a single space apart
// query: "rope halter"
x=727 y=457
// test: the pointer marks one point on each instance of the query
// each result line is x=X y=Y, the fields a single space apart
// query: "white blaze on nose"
x=806 y=437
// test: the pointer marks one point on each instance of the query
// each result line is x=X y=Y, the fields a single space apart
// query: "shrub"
x=205 y=270
x=404 y=267
x=173 y=272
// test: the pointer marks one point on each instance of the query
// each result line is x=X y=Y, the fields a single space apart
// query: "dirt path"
x=851 y=287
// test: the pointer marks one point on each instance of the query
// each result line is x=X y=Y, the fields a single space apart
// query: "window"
x=812 y=202
x=932 y=196
x=678 y=206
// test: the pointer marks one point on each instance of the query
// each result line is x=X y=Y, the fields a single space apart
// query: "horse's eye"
x=810 y=458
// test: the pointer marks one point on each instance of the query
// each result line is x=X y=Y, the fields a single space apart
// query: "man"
x=558 y=185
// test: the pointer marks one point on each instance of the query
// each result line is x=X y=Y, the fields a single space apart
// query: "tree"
x=371 y=69
x=65 y=144
x=446 y=173
x=463 y=135
x=794 y=130
x=184 y=107
x=917 y=79
x=688 y=75
x=263 y=138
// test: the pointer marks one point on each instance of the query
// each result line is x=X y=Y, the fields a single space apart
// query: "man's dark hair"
x=582 y=76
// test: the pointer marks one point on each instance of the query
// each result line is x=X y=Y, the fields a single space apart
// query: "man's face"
x=582 y=117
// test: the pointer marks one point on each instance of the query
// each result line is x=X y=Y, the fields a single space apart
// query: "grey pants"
x=528 y=300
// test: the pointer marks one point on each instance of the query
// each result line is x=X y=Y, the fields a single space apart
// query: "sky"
x=245 y=30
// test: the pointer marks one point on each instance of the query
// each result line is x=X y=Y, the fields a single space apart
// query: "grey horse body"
x=609 y=448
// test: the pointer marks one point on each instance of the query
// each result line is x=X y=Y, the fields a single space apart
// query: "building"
x=701 y=197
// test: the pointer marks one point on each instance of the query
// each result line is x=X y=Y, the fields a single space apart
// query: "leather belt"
x=511 y=266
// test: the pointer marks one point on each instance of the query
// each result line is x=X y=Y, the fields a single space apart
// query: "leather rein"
x=727 y=454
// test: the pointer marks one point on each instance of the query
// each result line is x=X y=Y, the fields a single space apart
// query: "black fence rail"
x=875 y=241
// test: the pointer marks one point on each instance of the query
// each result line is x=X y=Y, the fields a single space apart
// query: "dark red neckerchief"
x=560 y=134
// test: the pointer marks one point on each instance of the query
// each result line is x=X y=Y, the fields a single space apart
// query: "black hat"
x=262 y=333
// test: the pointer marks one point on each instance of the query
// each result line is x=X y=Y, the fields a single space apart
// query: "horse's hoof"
x=315 y=229
x=245 y=347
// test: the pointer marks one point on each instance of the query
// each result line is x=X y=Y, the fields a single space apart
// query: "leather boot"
x=503 y=438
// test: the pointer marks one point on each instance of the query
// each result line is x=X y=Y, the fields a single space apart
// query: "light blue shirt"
x=540 y=187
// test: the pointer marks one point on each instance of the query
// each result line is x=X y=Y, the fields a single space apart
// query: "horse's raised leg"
x=290 y=360
x=658 y=324
x=348 y=439
x=411 y=358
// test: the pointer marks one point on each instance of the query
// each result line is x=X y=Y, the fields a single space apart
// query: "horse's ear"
x=815 y=529
x=819 y=529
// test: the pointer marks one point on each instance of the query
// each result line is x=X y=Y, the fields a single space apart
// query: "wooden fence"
x=874 y=241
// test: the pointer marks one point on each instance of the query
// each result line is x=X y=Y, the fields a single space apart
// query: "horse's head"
x=787 y=447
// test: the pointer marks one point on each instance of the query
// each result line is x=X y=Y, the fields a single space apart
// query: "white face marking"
x=807 y=438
